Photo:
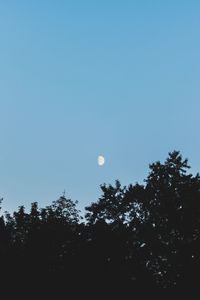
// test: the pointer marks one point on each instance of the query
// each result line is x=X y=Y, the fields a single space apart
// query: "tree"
x=173 y=220
x=143 y=235
x=109 y=207
x=114 y=221
x=63 y=210
x=161 y=218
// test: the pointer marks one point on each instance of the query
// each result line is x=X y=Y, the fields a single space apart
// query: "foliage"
x=135 y=236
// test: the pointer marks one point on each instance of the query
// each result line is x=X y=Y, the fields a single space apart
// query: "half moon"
x=101 y=160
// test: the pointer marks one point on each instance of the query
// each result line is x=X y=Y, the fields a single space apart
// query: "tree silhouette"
x=163 y=218
x=173 y=205
x=136 y=236
x=109 y=207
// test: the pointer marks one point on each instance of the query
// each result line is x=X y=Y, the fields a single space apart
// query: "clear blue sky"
x=83 y=78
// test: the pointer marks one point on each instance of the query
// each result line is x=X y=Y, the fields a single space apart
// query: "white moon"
x=101 y=160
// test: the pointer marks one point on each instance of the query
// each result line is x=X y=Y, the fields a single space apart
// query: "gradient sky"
x=83 y=78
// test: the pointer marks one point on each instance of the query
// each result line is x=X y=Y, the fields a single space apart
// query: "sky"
x=84 y=78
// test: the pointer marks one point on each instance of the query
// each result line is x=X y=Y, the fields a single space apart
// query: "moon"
x=101 y=160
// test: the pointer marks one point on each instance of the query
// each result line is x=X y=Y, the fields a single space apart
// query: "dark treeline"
x=135 y=238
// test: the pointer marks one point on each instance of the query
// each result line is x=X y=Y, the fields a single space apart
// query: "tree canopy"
x=133 y=236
